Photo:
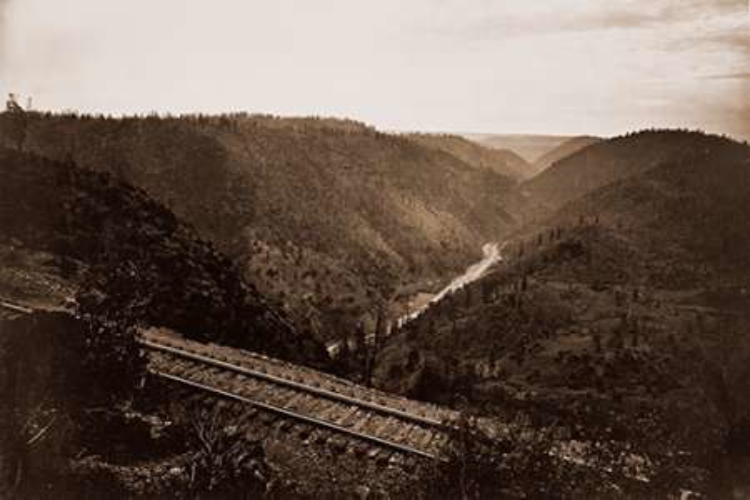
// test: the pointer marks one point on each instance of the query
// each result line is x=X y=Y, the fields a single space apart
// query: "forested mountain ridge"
x=608 y=161
x=328 y=216
x=694 y=210
x=65 y=227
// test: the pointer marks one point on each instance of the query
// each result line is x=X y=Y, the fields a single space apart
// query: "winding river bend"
x=492 y=254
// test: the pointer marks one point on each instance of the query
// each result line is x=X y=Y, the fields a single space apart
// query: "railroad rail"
x=295 y=396
x=15 y=308
x=360 y=415
x=366 y=420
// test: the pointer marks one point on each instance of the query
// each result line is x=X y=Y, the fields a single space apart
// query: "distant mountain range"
x=539 y=151
x=565 y=149
x=530 y=147
x=503 y=161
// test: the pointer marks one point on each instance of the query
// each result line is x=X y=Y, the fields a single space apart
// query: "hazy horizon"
x=482 y=67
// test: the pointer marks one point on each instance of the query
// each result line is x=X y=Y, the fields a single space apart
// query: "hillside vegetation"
x=692 y=212
x=65 y=229
x=621 y=319
x=330 y=217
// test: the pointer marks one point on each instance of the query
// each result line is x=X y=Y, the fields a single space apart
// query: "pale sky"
x=544 y=66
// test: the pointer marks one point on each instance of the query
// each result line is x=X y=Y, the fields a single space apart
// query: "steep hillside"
x=695 y=211
x=328 y=216
x=530 y=147
x=621 y=318
x=681 y=230
x=609 y=161
x=63 y=229
x=502 y=161
x=564 y=150
x=574 y=337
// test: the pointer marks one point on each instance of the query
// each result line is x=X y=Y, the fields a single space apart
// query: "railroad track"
x=368 y=421
x=314 y=404
x=14 y=309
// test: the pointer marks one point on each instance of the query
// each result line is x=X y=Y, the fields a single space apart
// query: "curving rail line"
x=15 y=307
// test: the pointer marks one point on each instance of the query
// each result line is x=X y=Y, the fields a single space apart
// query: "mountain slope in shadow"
x=67 y=229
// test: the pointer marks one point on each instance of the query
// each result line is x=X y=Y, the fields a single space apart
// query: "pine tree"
x=380 y=326
x=17 y=122
x=361 y=337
